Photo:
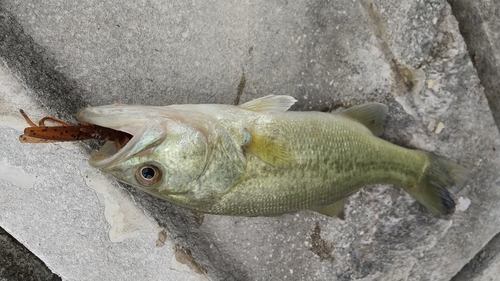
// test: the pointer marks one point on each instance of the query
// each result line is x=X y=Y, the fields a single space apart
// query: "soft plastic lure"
x=42 y=133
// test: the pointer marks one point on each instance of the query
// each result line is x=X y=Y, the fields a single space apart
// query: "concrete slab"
x=485 y=266
x=480 y=25
x=326 y=54
x=18 y=263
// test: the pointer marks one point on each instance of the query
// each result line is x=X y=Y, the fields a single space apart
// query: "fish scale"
x=327 y=171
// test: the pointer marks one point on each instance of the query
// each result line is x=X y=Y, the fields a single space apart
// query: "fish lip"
x=98 y=116
x=108 y=154
x=147 y=138
x=117 y=118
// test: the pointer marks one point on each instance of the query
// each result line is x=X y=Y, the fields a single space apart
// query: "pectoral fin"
x=270 y=104
x=271 y=149
x=371 y=115
x=334 y=210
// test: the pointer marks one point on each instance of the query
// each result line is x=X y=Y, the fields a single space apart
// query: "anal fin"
x=334 y=210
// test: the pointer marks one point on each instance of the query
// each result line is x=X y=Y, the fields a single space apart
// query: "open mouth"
x=120 y=138
x=114 y=149
x=127 y=130
x=126 y=144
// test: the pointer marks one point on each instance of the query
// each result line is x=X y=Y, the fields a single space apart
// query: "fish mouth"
x=126 y=129
x=110 y=153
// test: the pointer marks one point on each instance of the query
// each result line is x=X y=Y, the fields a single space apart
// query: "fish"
x=260 y=159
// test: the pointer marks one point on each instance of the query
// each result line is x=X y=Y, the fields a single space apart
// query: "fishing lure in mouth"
x=42 y=133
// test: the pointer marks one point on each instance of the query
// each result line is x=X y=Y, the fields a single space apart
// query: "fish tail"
x=439 y=177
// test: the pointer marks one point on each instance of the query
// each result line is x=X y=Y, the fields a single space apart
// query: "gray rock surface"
x=480 y=26
x=77 y=221
x=17 y=263
x=484 y=266
x=327 y=54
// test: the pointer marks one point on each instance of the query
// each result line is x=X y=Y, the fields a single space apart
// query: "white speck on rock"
x=431 y=125
x=463 y=204
x=431 y=83
x=439 y=128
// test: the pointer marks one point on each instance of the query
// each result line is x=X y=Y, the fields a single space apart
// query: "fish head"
x=165 y=156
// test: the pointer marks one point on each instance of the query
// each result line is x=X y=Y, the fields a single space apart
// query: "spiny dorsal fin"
x=335 y=209
x=271 y=149
x=270 y=104
x=371 y=115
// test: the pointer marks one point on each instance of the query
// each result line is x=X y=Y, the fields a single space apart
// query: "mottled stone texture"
x=17 y=263
x=409 y=55
x=480 y=27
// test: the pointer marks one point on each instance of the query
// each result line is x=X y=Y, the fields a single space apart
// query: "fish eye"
x=148 y=175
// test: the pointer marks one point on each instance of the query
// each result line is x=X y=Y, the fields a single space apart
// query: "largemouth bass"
x=260 y=159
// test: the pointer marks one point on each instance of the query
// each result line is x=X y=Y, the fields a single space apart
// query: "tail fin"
x=438 y=177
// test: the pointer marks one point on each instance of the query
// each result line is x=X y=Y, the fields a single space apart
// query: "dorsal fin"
x=371 y=115
x=270 y=104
